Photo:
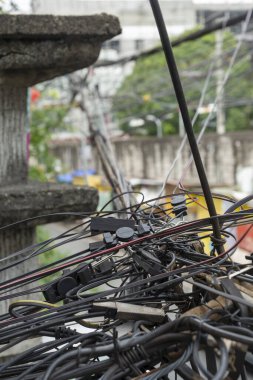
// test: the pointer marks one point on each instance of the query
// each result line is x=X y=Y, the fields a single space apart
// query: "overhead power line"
x=189 y=37
x=175 y=78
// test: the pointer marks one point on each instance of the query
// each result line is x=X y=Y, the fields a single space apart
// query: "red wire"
x=100 y=253
x=124 y=245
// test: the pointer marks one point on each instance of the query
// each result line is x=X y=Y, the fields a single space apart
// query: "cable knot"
x=217 y=242
x=130 y=358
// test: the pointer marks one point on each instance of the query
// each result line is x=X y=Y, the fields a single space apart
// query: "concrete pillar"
x=10 y=242
x=13 y=171
x=13 y=120
x=34 y=49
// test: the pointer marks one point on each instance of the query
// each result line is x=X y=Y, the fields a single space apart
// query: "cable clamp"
x=126 y=311
x=217 y=242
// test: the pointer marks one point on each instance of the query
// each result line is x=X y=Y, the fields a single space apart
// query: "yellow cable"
x=39 y=303
x=50 y=305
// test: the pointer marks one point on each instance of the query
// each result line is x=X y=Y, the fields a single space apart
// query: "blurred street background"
x=128 y=98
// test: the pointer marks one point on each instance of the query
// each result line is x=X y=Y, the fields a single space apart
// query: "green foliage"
x=238 y=119
x=44 y=122
x=49 y=256
x=148 y=89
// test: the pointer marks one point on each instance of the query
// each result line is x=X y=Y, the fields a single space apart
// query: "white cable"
x=122 y=183
x=182 y=145
x=210 y=71
x=227 y=75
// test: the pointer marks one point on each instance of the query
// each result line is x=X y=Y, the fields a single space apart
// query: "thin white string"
x=226 y=77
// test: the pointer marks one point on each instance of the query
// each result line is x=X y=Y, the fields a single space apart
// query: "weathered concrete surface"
x=97 y=27
x=35 y=199
x=151 y=158
x=35 y=48
x=13 y=124
x=19 y=202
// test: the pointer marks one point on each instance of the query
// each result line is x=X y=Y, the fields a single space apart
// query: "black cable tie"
x=217 y=242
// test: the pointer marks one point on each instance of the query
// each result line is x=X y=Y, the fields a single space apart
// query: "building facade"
x=138 y=28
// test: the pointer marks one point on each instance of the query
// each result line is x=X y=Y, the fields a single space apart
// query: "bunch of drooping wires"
x=148 y=296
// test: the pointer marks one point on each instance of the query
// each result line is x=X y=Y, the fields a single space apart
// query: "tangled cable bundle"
x=149 y=298
x=154 y=294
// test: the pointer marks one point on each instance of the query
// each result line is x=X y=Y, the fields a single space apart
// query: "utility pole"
x=220 y=114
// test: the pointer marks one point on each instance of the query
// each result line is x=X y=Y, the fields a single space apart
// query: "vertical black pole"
x=217 y=240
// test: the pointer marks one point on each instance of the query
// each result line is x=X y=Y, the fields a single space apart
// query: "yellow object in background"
x=79 y=181
x=197 y=209
x=96 y=181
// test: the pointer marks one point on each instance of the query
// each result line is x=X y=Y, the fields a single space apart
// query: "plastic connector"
x=127 y=311
x=110 y=224
x=109 y=240
x=125 y=234
x=96 y=246
x=85 y=275
x=149 y=263
x=57 y=290
x=143 y=229
x=178 y=202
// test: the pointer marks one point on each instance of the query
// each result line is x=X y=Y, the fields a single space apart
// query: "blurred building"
x=138 y=28
x=139 y=33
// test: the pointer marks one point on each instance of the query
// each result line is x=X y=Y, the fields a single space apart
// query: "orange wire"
x=181 y=187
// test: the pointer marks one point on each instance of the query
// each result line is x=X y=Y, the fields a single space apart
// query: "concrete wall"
x=150 y=158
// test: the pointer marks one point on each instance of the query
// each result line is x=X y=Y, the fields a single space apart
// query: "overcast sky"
x=24 y=5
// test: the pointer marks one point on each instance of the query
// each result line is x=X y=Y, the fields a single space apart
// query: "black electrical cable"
x=189 y=37
x=239 y=203
x=178 y=228
x=187 y=121
x=172 y=249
